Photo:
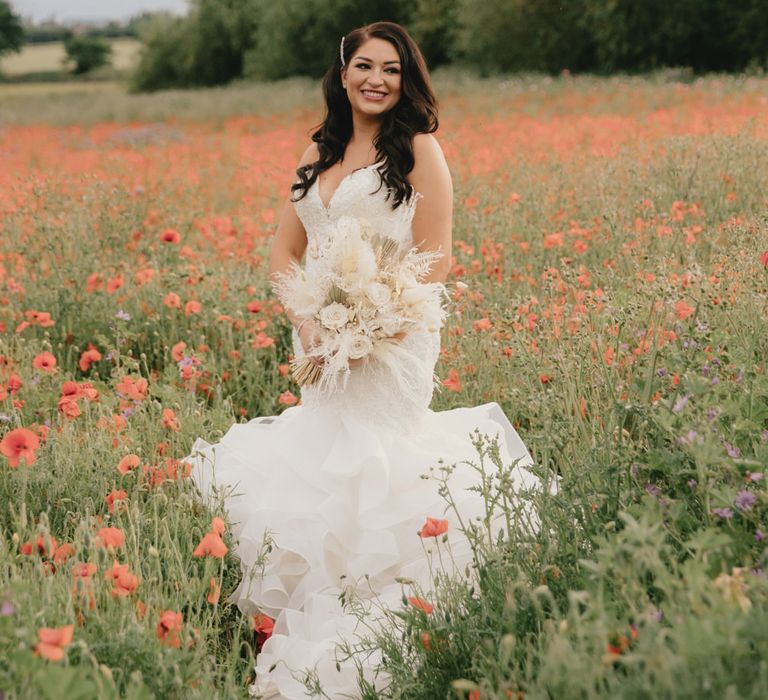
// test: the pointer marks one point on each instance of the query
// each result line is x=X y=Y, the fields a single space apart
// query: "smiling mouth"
x=374 y=94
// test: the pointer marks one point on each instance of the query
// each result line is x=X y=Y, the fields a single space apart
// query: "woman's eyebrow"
x=363 y=58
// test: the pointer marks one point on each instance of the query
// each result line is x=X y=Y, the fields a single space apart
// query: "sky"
x=91 y=10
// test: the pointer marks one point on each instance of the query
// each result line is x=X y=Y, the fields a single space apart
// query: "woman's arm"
x=289 y=244
x=432 y=222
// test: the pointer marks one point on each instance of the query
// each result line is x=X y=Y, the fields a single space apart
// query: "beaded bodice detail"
x=355 y=196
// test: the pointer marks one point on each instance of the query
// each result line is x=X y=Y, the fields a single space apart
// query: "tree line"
x=223 y=40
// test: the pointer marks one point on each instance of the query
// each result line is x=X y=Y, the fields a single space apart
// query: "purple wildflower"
x=123 y=315
x=657 y=615
x=689 y=438
x=723 y=513
x=653 y=490
x=759 y=535
x=7 y=609
x=126 y=413
x=692 y=483
x=732 y=450
x=5 y=418
x=661 y=372
x=185 y=361
x=680 y=403
x=745 y=500
x=755 y=476
x=764 y=436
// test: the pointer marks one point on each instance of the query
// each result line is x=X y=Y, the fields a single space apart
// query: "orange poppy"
x=433 y=527
x=45 y=362
x=211 y=545
x=168 y=628
x=128 y=463
x=123 y=581
x=88 y=357
x=19 y=444
x=169 y=419
x=214 y=592
x=53 y=641
x=170 y=235
x=112 y=537
x=263 y=625
x=452 y=383
x=421 y=604
x=113 y=497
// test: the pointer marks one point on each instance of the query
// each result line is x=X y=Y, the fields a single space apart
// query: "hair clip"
x=341 y=52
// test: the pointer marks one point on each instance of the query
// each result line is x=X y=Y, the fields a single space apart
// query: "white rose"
x=378 y=293
x=359 y=346
x=334 y=316
x=389 y=325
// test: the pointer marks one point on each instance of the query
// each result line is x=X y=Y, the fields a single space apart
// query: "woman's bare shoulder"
x=427 y=151
x=310 y=155
x=430 y=169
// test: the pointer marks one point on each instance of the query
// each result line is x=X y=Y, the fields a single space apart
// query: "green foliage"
x=87 y=53
x=11 y=30
x=206 y=47
x=301 y=37
x=519 y=35
x=433 y=26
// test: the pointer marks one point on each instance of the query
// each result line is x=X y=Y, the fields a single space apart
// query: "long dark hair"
x=415 y=112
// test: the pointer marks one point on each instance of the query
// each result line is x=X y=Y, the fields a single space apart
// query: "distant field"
x=38 y=58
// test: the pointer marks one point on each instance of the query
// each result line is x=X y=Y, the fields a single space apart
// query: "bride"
x=336 y=481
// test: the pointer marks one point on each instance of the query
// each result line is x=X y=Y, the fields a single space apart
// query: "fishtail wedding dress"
x=337 y=482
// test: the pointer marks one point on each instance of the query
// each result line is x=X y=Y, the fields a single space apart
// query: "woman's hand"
x=310 y=338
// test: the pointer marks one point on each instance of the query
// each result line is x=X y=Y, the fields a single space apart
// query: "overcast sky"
x=67 y=10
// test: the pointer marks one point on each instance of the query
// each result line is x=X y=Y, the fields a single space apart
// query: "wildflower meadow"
x=611 y=241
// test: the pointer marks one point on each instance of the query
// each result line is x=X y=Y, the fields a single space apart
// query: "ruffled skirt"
x=342 y=497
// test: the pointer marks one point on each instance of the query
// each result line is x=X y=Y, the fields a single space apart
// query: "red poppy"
x=123 y=581
x=287 y=398
x=421 y=604
x=128 y=463
x=169 y=419
x=452 y=383
x=170 y=235
x=88 y=357
x=19 y=444
x=263 y=625
x=211 y=545
x=53 y=640
x=45 y=362
x=214 y=592
x=112 y=537
x=434 y=527
x=168 y=628
x=113 y=497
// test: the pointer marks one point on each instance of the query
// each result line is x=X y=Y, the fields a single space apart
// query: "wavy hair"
x=415 y=112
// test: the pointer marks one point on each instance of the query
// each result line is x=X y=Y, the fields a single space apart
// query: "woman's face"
x=372 y=78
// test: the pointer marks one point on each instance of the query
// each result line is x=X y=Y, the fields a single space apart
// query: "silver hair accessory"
x=341 y=52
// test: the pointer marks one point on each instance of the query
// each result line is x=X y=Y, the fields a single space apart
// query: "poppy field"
x=609 y=289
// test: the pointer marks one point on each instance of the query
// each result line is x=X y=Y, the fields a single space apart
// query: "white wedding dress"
x=337 y=483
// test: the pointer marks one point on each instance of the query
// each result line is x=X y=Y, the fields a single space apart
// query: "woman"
x=336 y=481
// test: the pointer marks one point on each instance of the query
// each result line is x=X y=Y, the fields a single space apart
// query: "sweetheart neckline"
x=327 y=208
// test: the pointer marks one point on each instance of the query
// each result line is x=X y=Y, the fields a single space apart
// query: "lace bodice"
x=373 y=393
x=355 y=196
